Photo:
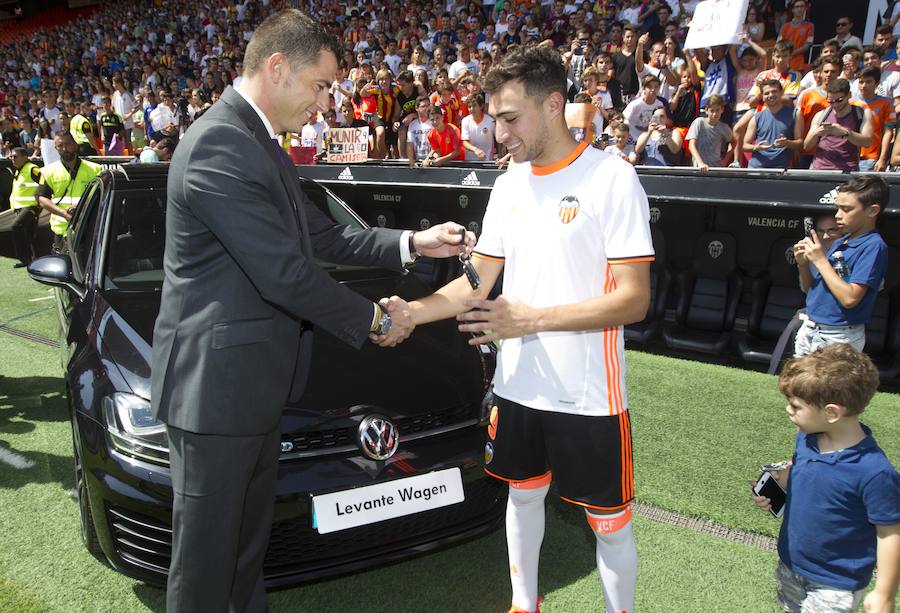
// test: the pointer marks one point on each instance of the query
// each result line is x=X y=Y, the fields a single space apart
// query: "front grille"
x=141 y=540
x=295 y=547
x=342 y=438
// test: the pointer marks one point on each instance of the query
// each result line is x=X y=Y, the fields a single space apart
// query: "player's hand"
x=497 y=319
x=444 y=241
x=877 y=602
x=401 y=322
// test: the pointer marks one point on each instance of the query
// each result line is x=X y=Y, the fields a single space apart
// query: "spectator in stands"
x=600 y=98
x=876 y=154
x=839 y=303
x=844 y=34
x=418 y=146
x=444 y=138
x=477 y=131
x=44 y=147
x=775 y=132
x=656 y=66
x=624 y=62
x=719 y=66
x=709 y=136
x=160 y=152
x=830 y=49
x=640 y=110
x=621 y=145
x=813 y=101
x=111 y=127
x=799 y=32
x=659 y=145
x=884 y=42
x=838 y=132
x=123 y=103
x=28 y=135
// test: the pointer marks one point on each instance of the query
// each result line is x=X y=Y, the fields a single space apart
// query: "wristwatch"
x=383 y=322
x=413 y=254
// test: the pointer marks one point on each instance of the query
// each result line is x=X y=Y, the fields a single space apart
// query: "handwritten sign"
x=347 y=145
x=716 y=22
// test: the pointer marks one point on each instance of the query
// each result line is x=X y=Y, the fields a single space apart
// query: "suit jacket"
x=233 y=338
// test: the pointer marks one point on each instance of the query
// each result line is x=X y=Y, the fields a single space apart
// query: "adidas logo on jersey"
x=829 y=198
x=471 y=179
x=346 y=175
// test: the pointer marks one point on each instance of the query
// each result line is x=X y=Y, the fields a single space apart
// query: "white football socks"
x=616 y=559
x=524 y=534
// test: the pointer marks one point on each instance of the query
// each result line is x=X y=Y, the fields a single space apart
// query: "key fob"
x=468 y=268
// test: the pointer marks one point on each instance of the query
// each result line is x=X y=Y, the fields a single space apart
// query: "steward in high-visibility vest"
x=63 y=183
x=83 y=132
x=23 y=201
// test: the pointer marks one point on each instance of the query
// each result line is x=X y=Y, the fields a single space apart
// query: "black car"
x=431 y=393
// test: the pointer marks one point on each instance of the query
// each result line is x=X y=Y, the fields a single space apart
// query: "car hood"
x=433 y=370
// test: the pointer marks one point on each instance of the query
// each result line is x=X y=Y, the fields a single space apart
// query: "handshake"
x=445 y=240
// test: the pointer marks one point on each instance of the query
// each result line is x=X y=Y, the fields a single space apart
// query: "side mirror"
x=55 y=270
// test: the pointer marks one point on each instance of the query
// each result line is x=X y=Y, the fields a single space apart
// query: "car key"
x=468 y=268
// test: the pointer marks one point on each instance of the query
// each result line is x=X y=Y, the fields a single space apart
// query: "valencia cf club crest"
x=568 y=208
x=488 y=452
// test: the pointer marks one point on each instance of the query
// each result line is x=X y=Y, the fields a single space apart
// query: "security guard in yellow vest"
x=62 y=185
x=83 y=132
x=23 y=201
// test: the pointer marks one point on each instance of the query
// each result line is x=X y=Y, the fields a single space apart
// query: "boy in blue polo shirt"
x=843 y=496
x=839 y=304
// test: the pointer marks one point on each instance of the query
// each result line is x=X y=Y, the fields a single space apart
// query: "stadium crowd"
x=131 y=75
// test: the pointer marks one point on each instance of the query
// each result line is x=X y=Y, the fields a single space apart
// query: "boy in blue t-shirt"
x=843 y=496
x=838 y=306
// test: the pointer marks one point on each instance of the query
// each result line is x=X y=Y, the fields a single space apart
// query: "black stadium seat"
x=776 y=298
x=644 y=331
x=708 y=296
x=883 y=329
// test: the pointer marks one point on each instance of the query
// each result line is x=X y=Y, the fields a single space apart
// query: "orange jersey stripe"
x=646 y=258
x=490 y=258
x=541 y=480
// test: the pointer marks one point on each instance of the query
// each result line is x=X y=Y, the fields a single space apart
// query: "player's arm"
x=883 y=598
x=508 y=318
x=450 y=300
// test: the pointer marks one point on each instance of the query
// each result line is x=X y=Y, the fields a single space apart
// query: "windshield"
x=137 y=235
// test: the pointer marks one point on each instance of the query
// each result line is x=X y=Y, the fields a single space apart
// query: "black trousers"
x=223 y=499
x=23 y=231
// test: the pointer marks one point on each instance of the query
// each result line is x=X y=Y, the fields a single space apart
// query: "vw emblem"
x=378 y=437
x=716 y=249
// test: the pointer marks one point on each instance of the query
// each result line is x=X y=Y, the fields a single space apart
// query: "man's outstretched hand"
x=443 y=241
x=401 y=322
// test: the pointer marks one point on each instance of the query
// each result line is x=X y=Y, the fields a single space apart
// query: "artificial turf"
x=700 y=433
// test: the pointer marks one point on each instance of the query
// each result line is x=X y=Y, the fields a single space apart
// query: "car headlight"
x=133 y=430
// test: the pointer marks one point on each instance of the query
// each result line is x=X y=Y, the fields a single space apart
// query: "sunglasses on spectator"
x=836 y=100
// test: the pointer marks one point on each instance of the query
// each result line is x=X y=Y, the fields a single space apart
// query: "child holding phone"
x=843 y=496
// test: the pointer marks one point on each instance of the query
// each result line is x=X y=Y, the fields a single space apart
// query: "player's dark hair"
x=539 y=68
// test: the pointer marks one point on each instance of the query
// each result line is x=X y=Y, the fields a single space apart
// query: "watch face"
x=385 y=323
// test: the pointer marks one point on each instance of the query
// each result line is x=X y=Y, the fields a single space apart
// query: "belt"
x=811 y=324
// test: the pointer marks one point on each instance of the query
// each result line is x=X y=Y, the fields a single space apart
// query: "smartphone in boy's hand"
x=767 y=487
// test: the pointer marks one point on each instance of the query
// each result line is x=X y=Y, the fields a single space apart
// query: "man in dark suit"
x=241 y=295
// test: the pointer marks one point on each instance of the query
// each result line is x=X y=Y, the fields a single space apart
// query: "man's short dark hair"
x=771 y=83
x=422 y=99
x=868 y=189
x=65 y=135
x=406 y=75
x=872 y=49
x=20 y=151
x=783 y=46
x=475 y=100
x=539 y=68
x=838 y=86
x=166 y=143
x=293 y=33
x=885 y=30
x=820 y=63
x=871 y=72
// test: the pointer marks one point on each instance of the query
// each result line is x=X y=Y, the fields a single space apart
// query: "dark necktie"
x=282 y=154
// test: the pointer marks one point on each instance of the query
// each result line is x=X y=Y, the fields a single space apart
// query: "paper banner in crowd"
x=348 y=145
x=716 y=22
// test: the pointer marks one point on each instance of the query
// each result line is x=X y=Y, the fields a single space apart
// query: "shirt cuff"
x=405 y=255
